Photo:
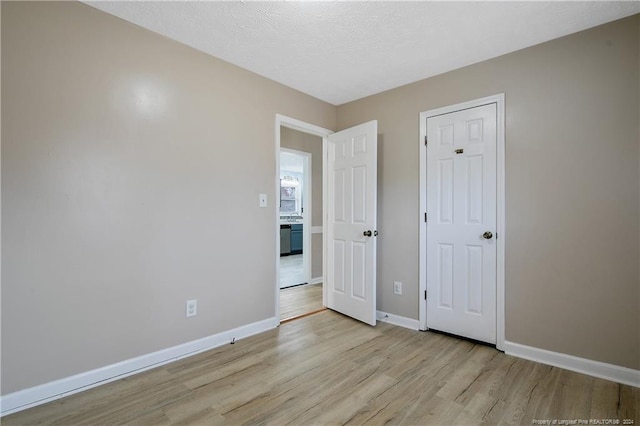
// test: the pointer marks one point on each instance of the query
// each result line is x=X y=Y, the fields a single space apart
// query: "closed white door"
x=461 y=223
x=351 y=222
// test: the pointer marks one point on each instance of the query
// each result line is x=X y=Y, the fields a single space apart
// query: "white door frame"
x=292 y=123
x=307 y=206
x=500 y=204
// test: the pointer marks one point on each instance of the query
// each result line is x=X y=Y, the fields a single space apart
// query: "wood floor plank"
x=520 y=384
x=299 y=300
x=398 y=402
x=628 y=403
x=571 y=396
x=329 y=369
x=604 y=400
x=534 y=397
x=193 y=410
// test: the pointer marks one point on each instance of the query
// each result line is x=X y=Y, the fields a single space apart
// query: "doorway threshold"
x=293 y=285
x=306 y=314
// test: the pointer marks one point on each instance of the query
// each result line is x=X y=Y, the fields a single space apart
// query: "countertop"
x=285 y=220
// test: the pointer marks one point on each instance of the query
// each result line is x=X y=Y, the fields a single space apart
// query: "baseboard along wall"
x=602 y=370
x=398 y=320
x=37 y=395
x=27 y=398
x=589 y=367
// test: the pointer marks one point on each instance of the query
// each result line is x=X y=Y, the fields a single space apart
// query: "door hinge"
x=425 y=216
x=425 y=140
x=425 y=295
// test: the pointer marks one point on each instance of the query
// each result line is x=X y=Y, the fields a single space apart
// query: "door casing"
x=499 y=100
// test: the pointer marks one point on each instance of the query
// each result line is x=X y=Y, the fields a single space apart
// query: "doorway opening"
x=299 y=204
x=346 y=218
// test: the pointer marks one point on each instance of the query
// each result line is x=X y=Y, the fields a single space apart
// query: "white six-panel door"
x=350 y=278
x=461 y=224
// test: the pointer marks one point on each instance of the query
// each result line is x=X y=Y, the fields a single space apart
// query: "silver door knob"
x=367 y=233
x=487 y=235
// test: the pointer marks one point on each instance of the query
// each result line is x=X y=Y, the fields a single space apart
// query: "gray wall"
x=131 y=169
x=305 y=142
x=572 y=196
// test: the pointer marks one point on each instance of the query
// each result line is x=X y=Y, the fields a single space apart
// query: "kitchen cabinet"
x=296 y=238
x=291 y=239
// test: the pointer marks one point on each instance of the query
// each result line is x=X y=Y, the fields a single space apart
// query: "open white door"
x=350 y=278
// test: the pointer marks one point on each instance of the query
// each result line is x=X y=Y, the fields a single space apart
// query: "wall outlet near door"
x=397 y=287
x=192 y=308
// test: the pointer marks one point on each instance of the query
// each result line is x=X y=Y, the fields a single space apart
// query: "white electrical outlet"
x=192 y=308
x=397 y=287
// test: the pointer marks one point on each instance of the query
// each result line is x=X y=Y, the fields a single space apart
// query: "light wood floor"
x=300 y=300
x=328 y=369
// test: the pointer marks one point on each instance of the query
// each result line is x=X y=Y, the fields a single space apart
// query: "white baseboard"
x=316 y=280
x=316 y=229
x=51 y=391
x=599 y=369
x=398 y=320
x=57 y=389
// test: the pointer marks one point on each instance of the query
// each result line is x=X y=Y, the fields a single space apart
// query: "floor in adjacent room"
x=329 y=369
x=291 y=270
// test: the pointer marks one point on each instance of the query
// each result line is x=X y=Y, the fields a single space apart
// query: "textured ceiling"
x=342 y=51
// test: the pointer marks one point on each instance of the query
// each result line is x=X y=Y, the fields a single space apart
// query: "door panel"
x=351 y=210
x=474 y=279
x=339 y=201
x=461 y=191
x=445 y=191
x=359 y=256
x=445 y=269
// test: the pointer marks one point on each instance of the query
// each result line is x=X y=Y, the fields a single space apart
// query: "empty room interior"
x=320 y=213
